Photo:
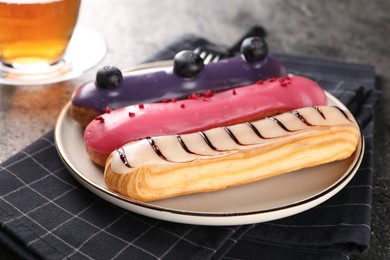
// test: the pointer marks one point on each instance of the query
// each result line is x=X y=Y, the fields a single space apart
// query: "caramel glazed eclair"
x=156 y=168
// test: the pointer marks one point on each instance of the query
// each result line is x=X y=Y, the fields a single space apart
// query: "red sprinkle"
x=141 y=106
x=182 y=105
x=131 y=114
x=174 y=100
x=272 y=79
x=193 y=96
x=165 y=100
x=260 y=82
x=285 y=79
x=234 y=91
x=284 y=82
x=208 y=94
x=108 y=109
x=101 y=119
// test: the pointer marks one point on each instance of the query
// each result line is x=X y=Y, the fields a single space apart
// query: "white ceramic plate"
x=265 y=200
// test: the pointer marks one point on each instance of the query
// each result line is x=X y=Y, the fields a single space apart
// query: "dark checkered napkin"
x=46 y=213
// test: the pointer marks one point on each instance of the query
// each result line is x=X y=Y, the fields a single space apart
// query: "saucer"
x=86 y=49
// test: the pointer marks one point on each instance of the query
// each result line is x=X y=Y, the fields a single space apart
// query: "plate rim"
x=206 y=218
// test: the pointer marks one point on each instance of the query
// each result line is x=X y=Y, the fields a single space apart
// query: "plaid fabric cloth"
x=46 y=213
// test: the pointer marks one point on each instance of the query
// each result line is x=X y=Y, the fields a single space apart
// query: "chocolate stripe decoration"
x=296 y=113
x=254 y=128
x=320 y=112
x=279 y=124
x=184 y=146
x=207 y=141
x=156 y=149
x=122 y=156
x=342 y=112
x=232 y=136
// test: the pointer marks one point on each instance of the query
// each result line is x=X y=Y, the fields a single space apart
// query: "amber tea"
x=35 y=31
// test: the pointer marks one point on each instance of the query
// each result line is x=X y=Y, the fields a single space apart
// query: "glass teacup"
x=34 y=34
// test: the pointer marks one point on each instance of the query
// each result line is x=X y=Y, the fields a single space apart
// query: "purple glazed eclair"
x=188 y=75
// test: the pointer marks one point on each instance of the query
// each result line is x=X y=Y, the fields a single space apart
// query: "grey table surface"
x=351 y=31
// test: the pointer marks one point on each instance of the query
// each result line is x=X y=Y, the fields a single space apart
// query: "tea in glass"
x=35 y=32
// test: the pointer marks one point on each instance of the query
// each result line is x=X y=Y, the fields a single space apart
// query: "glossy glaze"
x=186 y=116
x=222 y=141
x=148 y=86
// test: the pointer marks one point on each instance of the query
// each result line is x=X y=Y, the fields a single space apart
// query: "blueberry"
x=187 y=64
x=109 y=77
x=254 y=49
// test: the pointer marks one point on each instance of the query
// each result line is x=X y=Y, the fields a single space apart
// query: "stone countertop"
x=349 y=31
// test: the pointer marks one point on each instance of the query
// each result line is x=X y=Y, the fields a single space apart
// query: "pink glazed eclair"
x=199 y=112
